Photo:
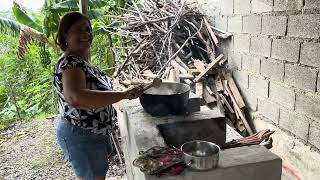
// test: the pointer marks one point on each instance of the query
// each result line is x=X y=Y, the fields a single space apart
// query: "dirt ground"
x=28 y=150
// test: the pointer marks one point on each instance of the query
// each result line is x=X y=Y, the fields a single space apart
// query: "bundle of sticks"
x=173 y=41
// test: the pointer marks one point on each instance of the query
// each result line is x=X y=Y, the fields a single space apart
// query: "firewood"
x=199 y=65
x=213 y=36
x=209 y=67
x=209 y=90
x=208 y=98
x=241 y=114
x=212 y=86
x=225 y=102
x=199 y=89
x=234 y=90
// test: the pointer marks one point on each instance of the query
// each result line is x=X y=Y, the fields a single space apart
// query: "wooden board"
x=209 y=67
x=240 y=112
x=219 y=85
x=208 y=98
x=234 y=90
x=199 y=65
x=227 y=103
x=199 y=89
x=212 y=86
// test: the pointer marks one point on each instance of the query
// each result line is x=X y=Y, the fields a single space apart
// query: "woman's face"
x=79 y=36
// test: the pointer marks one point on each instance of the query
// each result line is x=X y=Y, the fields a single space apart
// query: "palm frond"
x=10 y=27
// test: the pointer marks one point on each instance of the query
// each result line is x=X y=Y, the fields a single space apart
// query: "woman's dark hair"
x=65 y=24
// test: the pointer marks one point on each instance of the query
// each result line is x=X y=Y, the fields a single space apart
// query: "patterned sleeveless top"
x=99 y=120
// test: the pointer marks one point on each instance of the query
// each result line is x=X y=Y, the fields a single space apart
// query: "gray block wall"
x=275 y=58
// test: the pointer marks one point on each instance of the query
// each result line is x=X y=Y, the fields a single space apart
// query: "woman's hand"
x=134 y=92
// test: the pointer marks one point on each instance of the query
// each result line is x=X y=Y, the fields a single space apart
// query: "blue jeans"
x=86 y=151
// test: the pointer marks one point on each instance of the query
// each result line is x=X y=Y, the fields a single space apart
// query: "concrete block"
x=235 y=60
x=297 y=125
x=226 y=7
x=221 y=22
x=305 y=26
x=242 y=79
x=312 y=4
x=251 y=63
x=272 y=69
x=310 y=54
x=242 y=6
x=308 y=105
x=209 y=8
x=315 y=134
x=252 y=24
x=282 y=95
x=241 y=43
x=274 y=25
x=260 y=46
x=250 y=99
x=300 y=77
x=285 y=50
x=259 y=86
x=283 y=5
x=259 y=6
x=269 y=110
x=235 y=24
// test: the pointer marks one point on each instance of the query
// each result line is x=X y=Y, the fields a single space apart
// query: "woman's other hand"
x=134 y=92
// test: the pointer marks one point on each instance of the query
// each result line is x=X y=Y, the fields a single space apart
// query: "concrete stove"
x=140 y=131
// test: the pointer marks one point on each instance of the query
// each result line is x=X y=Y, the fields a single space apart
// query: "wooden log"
x=209 y=67
x=241 y=114
x=234 y=90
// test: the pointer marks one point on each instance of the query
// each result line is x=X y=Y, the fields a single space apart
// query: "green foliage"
x=26 y=88
x=8 y=26
x=25 y=85
x=23 y=18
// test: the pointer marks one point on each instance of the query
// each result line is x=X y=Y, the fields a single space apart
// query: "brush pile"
x=172 y=40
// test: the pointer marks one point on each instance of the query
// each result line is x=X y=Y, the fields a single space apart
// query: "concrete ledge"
x=140 y=133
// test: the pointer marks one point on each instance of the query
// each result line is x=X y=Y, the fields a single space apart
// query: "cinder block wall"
x=275 y=58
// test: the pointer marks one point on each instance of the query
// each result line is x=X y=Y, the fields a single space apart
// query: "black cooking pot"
x=168 y=98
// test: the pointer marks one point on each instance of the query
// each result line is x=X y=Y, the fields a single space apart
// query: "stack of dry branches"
x=173 y=41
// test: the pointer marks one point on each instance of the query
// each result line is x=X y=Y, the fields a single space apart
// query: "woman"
x=85 y=100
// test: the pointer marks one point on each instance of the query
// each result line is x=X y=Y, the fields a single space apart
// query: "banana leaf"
x=11 y=27
x=23 y=18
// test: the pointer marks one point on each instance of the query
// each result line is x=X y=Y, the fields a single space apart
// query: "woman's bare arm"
x=76 y=94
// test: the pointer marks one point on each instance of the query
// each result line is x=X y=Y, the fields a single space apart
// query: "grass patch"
x=38 y=162
x=6 y=122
